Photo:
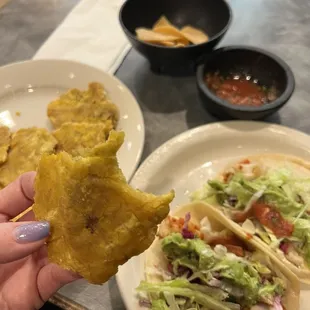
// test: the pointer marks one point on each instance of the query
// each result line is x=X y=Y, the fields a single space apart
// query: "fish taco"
x=268 y=196
x=197 y=262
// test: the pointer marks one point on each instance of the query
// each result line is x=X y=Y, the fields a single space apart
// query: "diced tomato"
x=245 y=162
x=249 y=236
x=227 y=176
x=241 y=216
x=237 y=250
x=272 y=219
x=179 y=221
x=176 y=224
x=231 y=242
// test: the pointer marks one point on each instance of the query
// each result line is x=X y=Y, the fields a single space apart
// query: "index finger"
x=17 y=196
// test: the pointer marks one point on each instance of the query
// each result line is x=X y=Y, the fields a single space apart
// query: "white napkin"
x=90 y=34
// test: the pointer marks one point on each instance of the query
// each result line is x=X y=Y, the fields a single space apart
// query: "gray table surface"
x=171 y=105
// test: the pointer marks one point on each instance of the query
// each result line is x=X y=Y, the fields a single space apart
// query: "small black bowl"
x=269 y=69
x=212 y=16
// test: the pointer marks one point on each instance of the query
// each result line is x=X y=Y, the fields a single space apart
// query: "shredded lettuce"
x=214 y=278
x=278 y=190
x=278 y=177
x=302 y=189
x=184 y=262
x=216 y=293
x=242 y=275
x=236 y=189
x=203 y=276
x=260 y=268
x=192 y=253
x=159 y=304
x=203 y=262
x=267 y=293
x=172 y=302
x=302 y=232
x=177 y=288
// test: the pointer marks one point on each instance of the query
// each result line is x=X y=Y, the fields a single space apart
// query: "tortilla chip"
x=166 y=34
x=152 y=36
x=5 y=139
x=162 y=22
x=27 y=146
x=97 y=220
x=173 y=31
x=180 y=45
x=194 y=35
x=91 y=106
x=78 y=138
x=167 y=43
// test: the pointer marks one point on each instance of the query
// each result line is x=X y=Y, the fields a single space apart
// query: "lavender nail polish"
x=31 y=232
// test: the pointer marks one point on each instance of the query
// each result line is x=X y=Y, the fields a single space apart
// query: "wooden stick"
x=16 y=218
x=3 y=3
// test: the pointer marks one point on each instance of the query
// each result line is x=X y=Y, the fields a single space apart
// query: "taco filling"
x=272 y=204
x=209 y=270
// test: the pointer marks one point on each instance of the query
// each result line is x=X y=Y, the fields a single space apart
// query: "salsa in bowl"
x=240 y=89
x=244 y=83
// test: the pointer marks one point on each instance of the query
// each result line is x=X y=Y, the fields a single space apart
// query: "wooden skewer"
x=16 y=218
x=3 y=3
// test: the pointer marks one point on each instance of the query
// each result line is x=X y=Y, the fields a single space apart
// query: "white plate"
x=185 y=162
x=27 y=88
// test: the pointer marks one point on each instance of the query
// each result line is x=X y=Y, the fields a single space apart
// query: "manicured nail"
x=31 y=232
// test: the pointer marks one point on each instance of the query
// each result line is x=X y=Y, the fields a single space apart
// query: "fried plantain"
x=97 y=220
x=78 y=138
x=27 y=146
x=77 y=106
x=5 y=139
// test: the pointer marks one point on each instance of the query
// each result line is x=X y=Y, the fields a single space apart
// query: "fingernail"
x=31 y=232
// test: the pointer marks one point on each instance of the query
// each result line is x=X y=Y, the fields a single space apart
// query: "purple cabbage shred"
x=277 y=303
x=185 y=231
x=145 y=303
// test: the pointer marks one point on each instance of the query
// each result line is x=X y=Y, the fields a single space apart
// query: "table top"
x=171 y=105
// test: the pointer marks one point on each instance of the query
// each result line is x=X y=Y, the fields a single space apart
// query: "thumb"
x=18 y=240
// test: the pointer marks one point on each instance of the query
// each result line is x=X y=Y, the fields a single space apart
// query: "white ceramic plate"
x=27 y=87
x=188 y=160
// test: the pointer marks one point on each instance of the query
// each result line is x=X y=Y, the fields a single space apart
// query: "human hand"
x=27 y=279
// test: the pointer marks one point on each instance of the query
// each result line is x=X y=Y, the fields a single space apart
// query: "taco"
x=197 y=262
x=269 y=197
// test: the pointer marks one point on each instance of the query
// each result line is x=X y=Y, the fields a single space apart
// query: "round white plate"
x=27 y=87
x=185 y=163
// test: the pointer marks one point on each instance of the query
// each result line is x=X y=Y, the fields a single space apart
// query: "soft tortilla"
x=198 y=210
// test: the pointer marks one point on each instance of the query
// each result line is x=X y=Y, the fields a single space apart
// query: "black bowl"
x=269 y=69
x=212 y=16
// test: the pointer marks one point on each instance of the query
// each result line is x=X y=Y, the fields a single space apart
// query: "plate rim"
x=179 y=139
x=37 y=62
x=233 y=125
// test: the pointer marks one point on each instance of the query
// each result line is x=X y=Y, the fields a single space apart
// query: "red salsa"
x=273 y=220
x=240 y=90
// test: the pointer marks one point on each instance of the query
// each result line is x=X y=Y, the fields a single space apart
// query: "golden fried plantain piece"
x=5 y=139
x=97 y=220
x=27 y=146
x=78 y=138
x=77 y=106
